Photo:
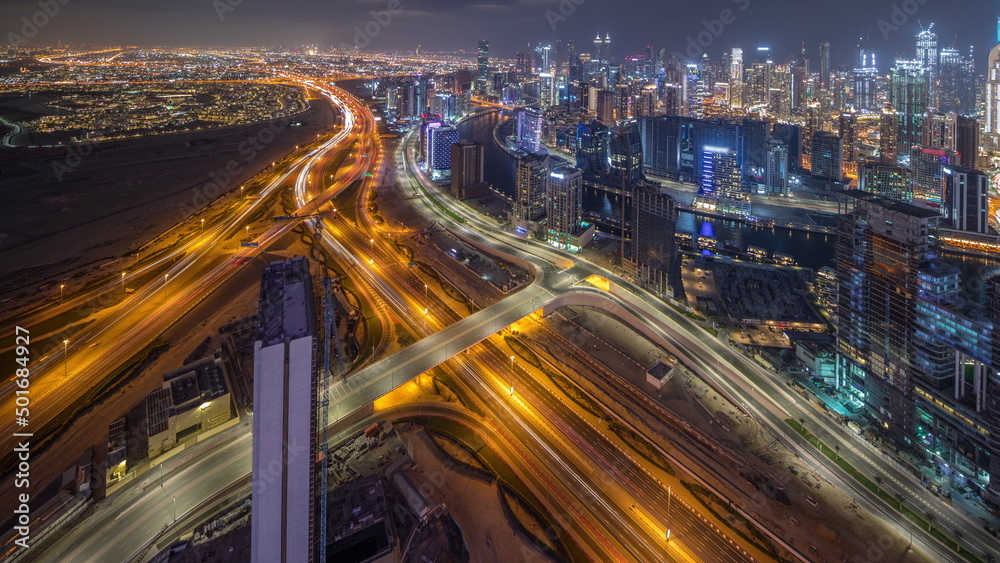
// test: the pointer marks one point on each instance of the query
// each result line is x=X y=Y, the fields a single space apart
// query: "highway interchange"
x=539 y=435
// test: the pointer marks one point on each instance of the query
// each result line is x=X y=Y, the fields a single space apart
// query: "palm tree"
x=878 y=485
x=837 y=448
x=930 y=519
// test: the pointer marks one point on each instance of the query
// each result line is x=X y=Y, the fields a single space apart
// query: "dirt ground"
x=115 y=199
x=474 y=504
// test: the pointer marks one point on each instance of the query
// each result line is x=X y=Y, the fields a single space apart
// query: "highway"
x=745 y=383
x=556 y=274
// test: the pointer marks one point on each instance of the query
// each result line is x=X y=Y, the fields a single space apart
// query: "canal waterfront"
x=810 y=250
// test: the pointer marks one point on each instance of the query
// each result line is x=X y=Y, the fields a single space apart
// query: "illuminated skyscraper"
x=909 y=94
x=531 y=182
x=966 y=202
x=993 y=95
x=888 y=141
x=926 y=165
x=881 y=248
x=736 y=78
x=828 y=156
x=564 y=205
x=482 y=65
x=886 y=180
x=865 y=91
x=592 y=147
x=625 y=147
x=824 y=64
x=439 y=142
x=529 y=129
x=606 y=107
x=720 y=172
x=776 y=170
x=956 y=82
x=847 y=127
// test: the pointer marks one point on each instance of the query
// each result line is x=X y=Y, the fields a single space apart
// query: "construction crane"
x=329 y=333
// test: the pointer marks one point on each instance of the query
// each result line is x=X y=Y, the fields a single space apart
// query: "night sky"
x=510 y=25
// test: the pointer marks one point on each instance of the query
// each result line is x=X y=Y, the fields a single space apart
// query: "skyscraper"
x=881 y=247
x=439 y=142
x=967 y=141
x=956 y=82
x=926 y=165
x=625 y=147
x=927 y=55
x=888 y=140
x=966 y=202
x=606 y=107
x=736 y=78
x=993 y=96
x=828 y=156
x=824 y=64
x=531 y=182
x=776 y=169
x=529 y=129
x=284 y=422
x=909 y=94
x=564 y=206
x=865 y=91
x=720 y=172
x=653 y=258
x=467 y=159
x=887 y=180
x=482 y=65
x=661 y=145
x=592 y=147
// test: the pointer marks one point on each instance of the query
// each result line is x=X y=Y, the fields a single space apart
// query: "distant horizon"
x=447 y=26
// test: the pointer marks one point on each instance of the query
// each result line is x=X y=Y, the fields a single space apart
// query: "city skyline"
x=890 y=26
x=572 y=281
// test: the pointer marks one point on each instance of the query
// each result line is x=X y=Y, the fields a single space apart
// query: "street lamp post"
x=65 y=358
x=425 y=291
x=123 y=282
x=165 y=276
x=175 y=506
x=668 y=513
x=62 y=286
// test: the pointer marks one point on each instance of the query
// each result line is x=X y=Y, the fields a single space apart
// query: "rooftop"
x=904 y=208
x=196 y=383
x=286 y=303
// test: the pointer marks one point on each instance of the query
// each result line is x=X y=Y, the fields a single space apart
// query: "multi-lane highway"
x=631 y=536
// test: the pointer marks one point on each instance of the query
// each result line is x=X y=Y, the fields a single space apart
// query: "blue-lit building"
x=529 y=129
x=440 y=138
x=721 y=175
